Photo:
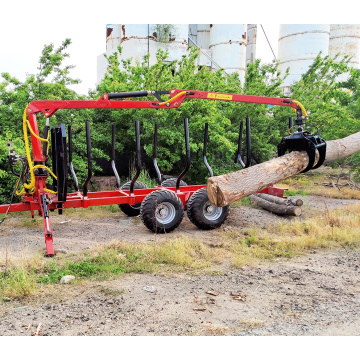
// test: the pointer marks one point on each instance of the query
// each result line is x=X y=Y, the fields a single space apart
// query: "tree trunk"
x=275 y=208
x=225 y=189
x=279 y=200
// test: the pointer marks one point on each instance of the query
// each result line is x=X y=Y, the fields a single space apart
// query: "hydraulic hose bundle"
x=30 y=187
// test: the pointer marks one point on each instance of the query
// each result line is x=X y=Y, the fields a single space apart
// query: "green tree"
x=223 y=117
x=50 y=83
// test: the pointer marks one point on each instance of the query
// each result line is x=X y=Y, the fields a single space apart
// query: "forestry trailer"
x=161 y=208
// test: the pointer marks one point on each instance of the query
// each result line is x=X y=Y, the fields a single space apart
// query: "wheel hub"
x=211 y=212
x=165 y=213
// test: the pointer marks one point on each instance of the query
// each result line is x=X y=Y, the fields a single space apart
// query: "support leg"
x=47 y=229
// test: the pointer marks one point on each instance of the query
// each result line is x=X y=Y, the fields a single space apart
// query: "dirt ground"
x=82 y=230
x=314 y=295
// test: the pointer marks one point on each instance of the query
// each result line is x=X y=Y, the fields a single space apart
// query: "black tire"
x=132 y=210
x=204 y=215
x=172 y=182
x=162 y=211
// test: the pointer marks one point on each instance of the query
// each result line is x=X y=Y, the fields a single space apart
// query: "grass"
x=331 y=229
x=311 y=184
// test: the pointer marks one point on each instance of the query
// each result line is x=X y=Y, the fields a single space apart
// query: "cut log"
x=280 y=201
x=280 y=209
x=225 y=189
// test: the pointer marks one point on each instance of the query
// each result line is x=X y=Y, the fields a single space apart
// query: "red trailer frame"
x=40 y=199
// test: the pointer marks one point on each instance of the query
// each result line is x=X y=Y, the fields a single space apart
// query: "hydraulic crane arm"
x=49 y=107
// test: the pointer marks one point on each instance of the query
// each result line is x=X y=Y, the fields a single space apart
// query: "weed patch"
x=330 y=229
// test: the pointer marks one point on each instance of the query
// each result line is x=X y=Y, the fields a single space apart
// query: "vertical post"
x=138 y=156
x=187 y=147
x=238 y=158
x=248 y=143
x=88 y=151
x=53 y=157
x=71 y=166
x=206 y=139
x=158 y=173
x=47 y=230
x=117 y=178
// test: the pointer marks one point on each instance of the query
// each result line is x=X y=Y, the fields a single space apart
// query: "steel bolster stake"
x=238 y=158
x=206 y=139
x=73 y=174
x=187 y=147
x=248 y=143
x=117 y=178
x=88 y=151
x=158 y=173
x=138 y=157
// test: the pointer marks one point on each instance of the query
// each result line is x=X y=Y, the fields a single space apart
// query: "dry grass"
x=311 y=184
x=29 y=275
x=234 y=248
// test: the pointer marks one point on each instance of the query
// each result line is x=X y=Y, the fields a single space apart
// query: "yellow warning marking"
x=219 y=96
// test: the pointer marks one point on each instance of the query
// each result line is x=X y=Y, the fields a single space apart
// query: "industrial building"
x=233 y=46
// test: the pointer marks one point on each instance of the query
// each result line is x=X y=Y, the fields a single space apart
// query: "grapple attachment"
x=304 y=141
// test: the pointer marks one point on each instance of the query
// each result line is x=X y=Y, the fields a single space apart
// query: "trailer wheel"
x=132 y=210
x=162 y=211
x=203 y=214
x=172 y=182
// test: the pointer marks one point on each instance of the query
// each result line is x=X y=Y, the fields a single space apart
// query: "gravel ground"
x=77 y=231
x=314 y=295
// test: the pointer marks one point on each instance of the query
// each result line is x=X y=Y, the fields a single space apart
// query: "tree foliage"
x=333 y=107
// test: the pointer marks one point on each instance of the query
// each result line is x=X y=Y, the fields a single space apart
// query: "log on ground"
x=280 y=200
x=280 y=209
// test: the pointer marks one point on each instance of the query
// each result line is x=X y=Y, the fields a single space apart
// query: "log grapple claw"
x=304 y=141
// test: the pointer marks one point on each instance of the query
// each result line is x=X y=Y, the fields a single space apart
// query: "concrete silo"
x=298 y=46
x=345 y=41
x=228 y=47
x=251 y=43
x=203 y=35
x=138 y=40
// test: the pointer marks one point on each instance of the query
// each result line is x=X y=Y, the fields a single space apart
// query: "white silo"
x=177 y=43
x=251 y=43
x=298 y=46
x=192 y=34
x=113 y=40
x=228 y=47
x=136 y=41
x=113 y=37
x=203 y=36
x=345 y=41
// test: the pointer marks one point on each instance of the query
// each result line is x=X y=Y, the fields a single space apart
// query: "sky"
x=25 y=27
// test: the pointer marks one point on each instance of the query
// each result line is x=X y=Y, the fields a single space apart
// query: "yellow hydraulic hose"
x=301 y=107
x=175 y=97
x=31 y=186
